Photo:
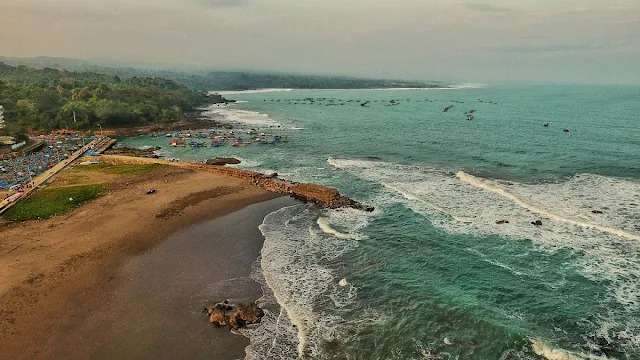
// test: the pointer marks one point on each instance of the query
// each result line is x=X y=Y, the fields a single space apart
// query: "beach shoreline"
x=63 y=278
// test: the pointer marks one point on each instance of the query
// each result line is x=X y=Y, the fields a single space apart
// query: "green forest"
x=46 y=99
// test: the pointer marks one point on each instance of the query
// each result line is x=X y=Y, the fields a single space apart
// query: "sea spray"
x=488 y=186
x=327 y=229
x=295 y=267
x=242 y=117
x=463 y=204
x=551 y=353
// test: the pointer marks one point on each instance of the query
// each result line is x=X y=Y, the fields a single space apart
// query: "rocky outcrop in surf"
x=224 y=314
x=318 y=194
x=223 y=161
x=219 y=99
x=126 y=151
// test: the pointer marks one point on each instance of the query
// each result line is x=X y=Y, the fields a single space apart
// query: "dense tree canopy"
x=47 y=99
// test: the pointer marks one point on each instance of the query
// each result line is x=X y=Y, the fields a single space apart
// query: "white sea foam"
x=326 y=227
x=552 y=353
x=243 y=117
x=605 y=244
x=294 y=268
x=495 y=188
x=245 y=163
x=257 y=91
x=444 y=87
x=467 y=86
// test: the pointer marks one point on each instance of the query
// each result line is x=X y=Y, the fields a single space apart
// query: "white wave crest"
x=257 y=91
x=243 y=117
x=467 y=86
x=488 y=186
x=245 y=163
x=605 y=240
x=294 y=266
x=551 y=353
x=326 y=227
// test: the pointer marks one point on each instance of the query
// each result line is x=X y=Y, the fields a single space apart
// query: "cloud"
x=484 y=7
x=221 y=3
x=552 y=48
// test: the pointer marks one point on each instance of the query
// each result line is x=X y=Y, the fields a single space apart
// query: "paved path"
x=40 y=179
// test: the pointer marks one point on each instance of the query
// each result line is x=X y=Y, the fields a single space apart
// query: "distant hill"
x=206 y=79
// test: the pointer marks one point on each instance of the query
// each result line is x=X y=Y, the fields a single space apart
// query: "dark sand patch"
x=194 y=199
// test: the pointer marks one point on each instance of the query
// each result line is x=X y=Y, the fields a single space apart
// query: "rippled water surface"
x=449 y=266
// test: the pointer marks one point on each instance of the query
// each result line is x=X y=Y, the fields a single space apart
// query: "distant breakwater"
x=321 y=195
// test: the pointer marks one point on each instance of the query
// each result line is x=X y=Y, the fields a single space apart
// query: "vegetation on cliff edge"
x=46 y=99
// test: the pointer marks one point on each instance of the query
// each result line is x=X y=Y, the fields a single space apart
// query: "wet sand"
x=154 y=311
x=126 y=276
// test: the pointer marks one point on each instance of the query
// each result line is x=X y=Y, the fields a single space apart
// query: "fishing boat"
x=271 y=138
x=219 y=141
x=196 y=144
x=240 y=142
x=177 y=143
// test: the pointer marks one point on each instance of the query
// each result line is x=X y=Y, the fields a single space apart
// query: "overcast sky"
x=587 y=41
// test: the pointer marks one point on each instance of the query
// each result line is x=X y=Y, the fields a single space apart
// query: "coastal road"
x=42 y=178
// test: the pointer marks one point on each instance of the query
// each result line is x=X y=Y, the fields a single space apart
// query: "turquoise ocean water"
x=431 y=274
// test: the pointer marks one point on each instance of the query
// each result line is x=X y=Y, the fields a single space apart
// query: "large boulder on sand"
x=219 y=313
x=223 y=161
x=235 y=316
x=246 y=315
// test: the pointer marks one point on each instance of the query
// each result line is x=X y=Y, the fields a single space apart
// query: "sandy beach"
x=126 y=275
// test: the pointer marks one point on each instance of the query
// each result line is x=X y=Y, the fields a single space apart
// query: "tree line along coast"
x=42 y=100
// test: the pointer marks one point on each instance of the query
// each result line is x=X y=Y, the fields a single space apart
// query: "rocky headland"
x=126 y=151
x=323 y=196
x=223 y=161
x=219 y=99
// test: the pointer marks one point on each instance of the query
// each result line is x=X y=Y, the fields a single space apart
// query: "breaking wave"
x=295 y=270
x=595 y=217
x=551 y=353
x=488 y=186
x=326 y=227
x=243 y=117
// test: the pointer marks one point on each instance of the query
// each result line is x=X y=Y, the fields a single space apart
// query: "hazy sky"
x=587 y=41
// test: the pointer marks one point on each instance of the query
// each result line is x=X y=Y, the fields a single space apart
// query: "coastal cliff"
x=318 y=194
x=219 y=99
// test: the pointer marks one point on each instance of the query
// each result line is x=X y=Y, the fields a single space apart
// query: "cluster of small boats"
x=225 y=139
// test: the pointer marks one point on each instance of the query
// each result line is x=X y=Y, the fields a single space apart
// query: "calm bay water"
x=432 y=273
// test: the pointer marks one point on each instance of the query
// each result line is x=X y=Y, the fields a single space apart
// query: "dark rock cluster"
x=234 y=316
